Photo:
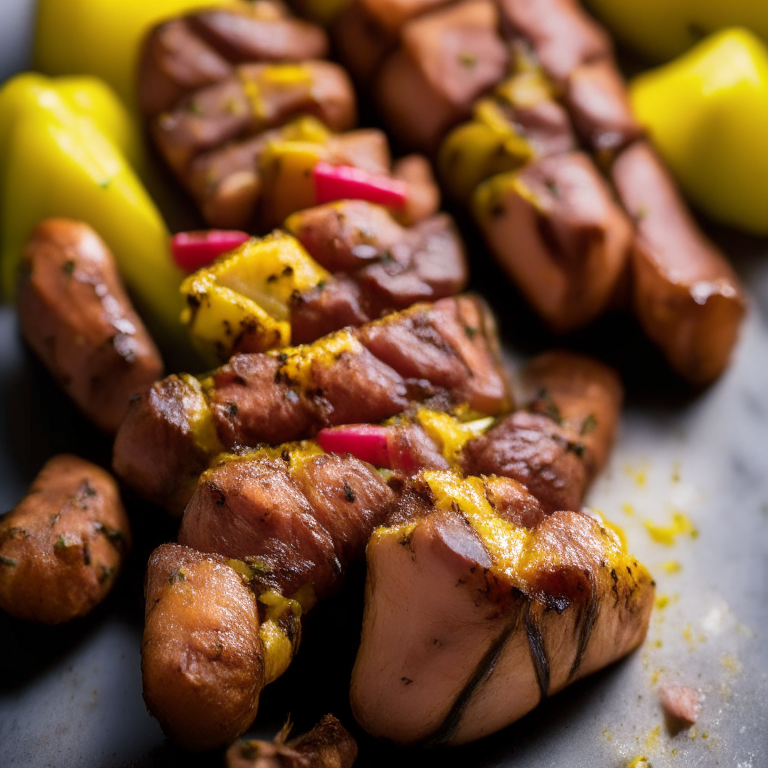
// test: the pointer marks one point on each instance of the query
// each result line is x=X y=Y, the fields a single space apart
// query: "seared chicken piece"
x=555 y=228
x=207 y=652
x=74 y=312
x=327 y=745
x=62 y=546
x=686 y=295
x=446 y=352
x=193 y=51
x=298 y=515
x=448 y=58
x=472 y=619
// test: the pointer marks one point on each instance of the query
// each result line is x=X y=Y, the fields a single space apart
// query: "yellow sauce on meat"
x=298 y=362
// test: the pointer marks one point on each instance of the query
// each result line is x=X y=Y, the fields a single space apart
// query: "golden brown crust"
x=62 y=547
x=202 y=663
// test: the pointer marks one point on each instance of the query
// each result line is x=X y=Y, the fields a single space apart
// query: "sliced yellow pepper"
x=248 y=293
x=102 y=38
x=663 y=29
x=63 y=152
x=707 y=113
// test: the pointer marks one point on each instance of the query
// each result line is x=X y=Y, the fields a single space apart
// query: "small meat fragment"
x=62 y=547
x=327 y=745
x=74 y=312
x=682 y=704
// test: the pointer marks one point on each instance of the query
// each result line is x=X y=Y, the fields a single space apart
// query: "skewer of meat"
x=350 y=262
x=445 y=353
x=243 y=108
x=289 y=521
x=434 y=59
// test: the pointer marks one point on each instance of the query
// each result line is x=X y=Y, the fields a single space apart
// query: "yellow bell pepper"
x=707 y=114
x=663 y=29
x=64 y=146
x=101 y=37
x=244 y=297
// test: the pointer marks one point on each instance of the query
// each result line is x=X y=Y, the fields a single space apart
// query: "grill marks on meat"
x=298 y=520
x=389 y=267
x=197 y=50
x=445 y=353
x=462 y=636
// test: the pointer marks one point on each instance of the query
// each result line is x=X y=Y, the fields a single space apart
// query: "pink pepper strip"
x=366 y=442
x=345 y=182
x=193 y=250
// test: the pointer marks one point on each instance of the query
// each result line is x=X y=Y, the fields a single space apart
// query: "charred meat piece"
x=447 y=59
x=74 y=312
x=686 y=295
x=254 y=98
x=471 y=620
x=555 y=228
x=560 y=34
x=557 y=446
x=62 y=547
x=194 y=51
x=299 y=517
x=362 y=42
x=446 y=352
x=327 y=745
x=390 y=268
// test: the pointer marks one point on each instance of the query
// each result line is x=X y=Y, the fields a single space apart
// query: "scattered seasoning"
x=544 y=404
x=105 y=184
x=88 y=489
x=219 y=649
x=61 y=542
x=642 y=212
x=9 y=561
x=387 y=257
x=589 y=425
x=194 y=107
x=232 y=410
x=68 y=267
x=406 y=680
x=177 y=575
x=470 y=331
x=553 y=188
x=467 y=59
x=349 y=494
x=578 y=448
x=321 y=285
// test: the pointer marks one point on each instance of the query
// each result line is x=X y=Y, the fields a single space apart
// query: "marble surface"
x=71 y=696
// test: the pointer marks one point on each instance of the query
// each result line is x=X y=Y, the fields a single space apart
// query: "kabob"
x=574 y=204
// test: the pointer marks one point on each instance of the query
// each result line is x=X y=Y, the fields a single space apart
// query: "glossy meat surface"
x=62 y=546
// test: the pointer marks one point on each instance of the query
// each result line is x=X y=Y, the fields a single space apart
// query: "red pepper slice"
x=366 y=442
x=193 y=250
x=345 y=182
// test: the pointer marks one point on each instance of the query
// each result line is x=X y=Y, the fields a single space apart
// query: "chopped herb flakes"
x=553 y=188
x=589 y=425
x=349 y=494
x=177 y=575
x=8 y=561
x=470 y=331
x=467 y=59
x=68 y=267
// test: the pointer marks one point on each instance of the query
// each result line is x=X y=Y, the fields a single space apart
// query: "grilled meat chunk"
x=446 y=352
x=202 y=658
x=686 y=295
x=299 y=517
x=327 y=745
x=556 y=230
x=74 y=312
x=193 y=51
x=254 y=98
x=62 y=547
x=557 y=446
x=447 y=59
x=471 y=620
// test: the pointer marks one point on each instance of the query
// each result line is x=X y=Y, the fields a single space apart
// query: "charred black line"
x=538 y=652
x=588 y=619
x=483 y=671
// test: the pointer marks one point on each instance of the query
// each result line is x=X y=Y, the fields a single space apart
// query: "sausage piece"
x=686 y=295
x=62 y=547
x=76 y=315
x=201 y=656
